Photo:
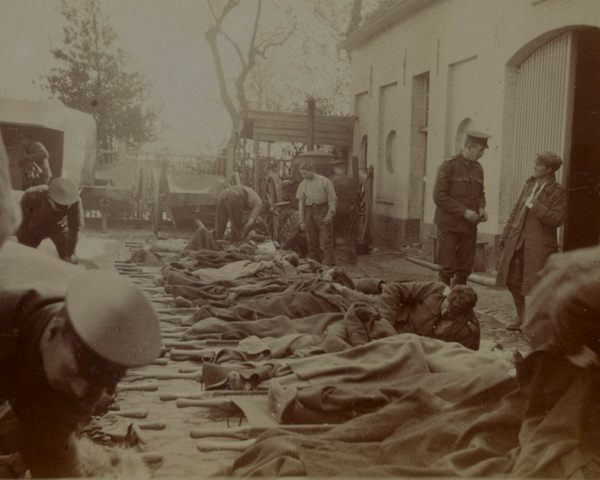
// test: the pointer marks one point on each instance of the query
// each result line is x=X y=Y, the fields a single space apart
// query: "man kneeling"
x=60 y=353
x=432 y=309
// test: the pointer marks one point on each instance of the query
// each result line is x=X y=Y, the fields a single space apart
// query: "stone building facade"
x=525 y=71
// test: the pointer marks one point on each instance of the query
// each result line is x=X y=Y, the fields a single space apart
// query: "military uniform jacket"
x=458 y=187
x=416 y=307
x=40 y=219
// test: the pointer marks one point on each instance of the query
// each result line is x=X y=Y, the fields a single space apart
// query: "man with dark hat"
x=66 y=339
x=460 y=199
x=529 y=237
x=232 y=204
x=52 y=211
x=34 y=161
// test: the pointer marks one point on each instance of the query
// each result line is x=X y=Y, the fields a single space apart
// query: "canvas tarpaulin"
x=191 y=190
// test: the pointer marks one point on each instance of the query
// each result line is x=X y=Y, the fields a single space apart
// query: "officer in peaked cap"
x=460 y=206
x=52 y=211
x=478 y=138
x=61 y=353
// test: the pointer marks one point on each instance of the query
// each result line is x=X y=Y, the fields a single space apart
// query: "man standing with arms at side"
x=316 y=207
x=460 y=199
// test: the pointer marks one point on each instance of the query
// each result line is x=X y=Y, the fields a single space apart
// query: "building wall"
x=471 y=49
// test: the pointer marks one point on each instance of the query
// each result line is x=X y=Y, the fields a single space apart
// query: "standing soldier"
x=34 y=161
x=460 y=200
x=316 y=206
x=343 y=184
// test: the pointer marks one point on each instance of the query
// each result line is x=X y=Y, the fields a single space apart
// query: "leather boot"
x=516 y=323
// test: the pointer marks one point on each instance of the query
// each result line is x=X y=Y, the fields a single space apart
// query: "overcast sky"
x=166 y=40
x=167 y=43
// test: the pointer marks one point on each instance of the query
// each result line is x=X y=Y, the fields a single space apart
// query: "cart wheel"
x=274 y=195
x=104 y=202
x=360 y=220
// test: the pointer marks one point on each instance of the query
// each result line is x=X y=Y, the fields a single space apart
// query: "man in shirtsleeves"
x=316 y=204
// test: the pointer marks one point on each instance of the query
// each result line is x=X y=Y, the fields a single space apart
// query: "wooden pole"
x=355 y=174
x=155 y=196
x=243 y=165
x=310 y=142
x=257 y=166
x=230 y=158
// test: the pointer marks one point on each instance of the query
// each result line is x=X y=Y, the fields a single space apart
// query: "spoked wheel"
x=361 y=218
x=273 y=194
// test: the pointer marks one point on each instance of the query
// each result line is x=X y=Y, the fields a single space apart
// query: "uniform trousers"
x=456 y=254
x=319 y=236
x=230 y=207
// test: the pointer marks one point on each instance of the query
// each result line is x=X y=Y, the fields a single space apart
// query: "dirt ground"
x=179 y=455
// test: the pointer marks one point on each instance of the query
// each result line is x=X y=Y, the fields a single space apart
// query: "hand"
x=303 y=226
x=72 y=259
x=247 y=227
x=327 y=220
x=482 y=216
x=501 y=244
x=586 y=357
x=471 y=216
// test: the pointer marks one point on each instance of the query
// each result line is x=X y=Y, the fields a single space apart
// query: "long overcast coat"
x=533 y=228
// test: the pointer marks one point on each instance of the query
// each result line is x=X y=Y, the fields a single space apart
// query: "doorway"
x=582 y=225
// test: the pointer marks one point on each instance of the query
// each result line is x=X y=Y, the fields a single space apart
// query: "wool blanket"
x=414 y=406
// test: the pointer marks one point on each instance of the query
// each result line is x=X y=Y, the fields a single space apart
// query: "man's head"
x=62 y=193
x=307 y=170
x=105 y=327
x=460 y=300
x=25 y=137
x=340 y=166
x=550 y=160
x=475 y=145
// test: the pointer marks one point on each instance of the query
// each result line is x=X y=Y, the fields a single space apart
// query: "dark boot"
x=519 y=300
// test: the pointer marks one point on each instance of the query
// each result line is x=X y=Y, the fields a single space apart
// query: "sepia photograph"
x=299 y=238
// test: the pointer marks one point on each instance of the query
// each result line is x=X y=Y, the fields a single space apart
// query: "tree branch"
x=262 y=51
x=237 y=48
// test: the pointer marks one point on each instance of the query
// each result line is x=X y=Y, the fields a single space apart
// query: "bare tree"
x=255 y=48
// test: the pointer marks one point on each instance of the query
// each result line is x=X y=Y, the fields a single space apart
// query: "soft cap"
x=63 y=191
x=113 y=319
x=550 y=159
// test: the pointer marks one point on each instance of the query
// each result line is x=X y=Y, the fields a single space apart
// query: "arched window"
x=390 y=151
x=466 y=124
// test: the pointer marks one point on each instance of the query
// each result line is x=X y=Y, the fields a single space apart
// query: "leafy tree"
x=95 y=76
